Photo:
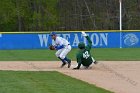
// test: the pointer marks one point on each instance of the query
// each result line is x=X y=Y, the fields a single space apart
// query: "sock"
x=68 y=60
x=62 y=60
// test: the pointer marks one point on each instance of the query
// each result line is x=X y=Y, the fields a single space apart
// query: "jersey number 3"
x=86 y=55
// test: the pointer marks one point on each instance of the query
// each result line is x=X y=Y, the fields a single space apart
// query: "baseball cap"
x=52 y=33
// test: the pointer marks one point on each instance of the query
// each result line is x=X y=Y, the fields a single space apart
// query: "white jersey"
x=61 y=41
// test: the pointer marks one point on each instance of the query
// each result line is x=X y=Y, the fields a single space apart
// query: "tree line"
x=49 y=15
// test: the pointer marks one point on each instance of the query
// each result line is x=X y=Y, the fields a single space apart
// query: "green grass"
x=43 y=82
x=44 y=55
x=117 y=54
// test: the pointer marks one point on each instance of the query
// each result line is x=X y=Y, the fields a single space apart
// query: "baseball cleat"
x=95 y=62
x=63 y=65
x=69 y=64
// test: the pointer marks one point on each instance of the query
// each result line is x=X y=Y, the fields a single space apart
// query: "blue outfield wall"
x=42 y=40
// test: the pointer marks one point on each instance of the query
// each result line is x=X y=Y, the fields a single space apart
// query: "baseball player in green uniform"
x=83 y=56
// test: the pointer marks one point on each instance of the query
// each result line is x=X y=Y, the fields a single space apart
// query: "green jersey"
x=84 y=56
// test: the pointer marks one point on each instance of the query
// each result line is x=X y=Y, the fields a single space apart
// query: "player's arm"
x=89 y=42
x=59 y=47
x=88 y=39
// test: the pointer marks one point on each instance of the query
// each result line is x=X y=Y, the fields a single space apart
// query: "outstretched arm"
x=88 y=39
x=89 y=42
x=78 y=67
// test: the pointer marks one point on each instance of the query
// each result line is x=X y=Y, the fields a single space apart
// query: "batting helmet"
x=81 y=45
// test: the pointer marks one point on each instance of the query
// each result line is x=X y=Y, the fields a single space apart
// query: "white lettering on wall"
x=43 y=39
x=95 y=39
x=76 y=40
x=0 y=35
x=103 y=39
x=98 y=39
x=66 y=36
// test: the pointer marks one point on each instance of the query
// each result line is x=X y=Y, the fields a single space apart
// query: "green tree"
x=28 y=15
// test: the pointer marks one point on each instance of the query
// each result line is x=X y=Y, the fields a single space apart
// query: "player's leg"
x=86 y=66
x=64 y=53
x=58 y=55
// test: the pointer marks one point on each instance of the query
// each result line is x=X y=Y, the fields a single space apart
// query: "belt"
x=67 y=45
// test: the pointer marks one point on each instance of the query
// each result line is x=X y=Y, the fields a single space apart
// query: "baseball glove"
x=51 y=47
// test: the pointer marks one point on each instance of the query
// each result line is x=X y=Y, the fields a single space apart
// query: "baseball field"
x=38 y=71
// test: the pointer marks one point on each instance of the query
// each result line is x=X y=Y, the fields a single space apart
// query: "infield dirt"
x=119 y=76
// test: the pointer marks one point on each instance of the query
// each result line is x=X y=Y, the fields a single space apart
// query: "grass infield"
x=111 y=54
x=43 y=82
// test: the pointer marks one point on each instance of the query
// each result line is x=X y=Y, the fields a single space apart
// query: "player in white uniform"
x=63 y=48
